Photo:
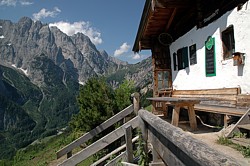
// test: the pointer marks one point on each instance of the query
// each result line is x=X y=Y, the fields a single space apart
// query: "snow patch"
x=24 y=71
x=9 y=44
x=1 y=37
x=13 y=65
x=82 y=83
x=1 y=26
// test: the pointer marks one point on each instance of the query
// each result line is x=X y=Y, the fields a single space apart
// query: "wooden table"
x=177 y=103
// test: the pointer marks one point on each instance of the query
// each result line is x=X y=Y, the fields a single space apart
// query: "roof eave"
x=144 y=18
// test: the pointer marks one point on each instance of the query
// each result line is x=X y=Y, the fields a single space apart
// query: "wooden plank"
x=98 y=145
x=129 y=146
x=244 y=126
x=128 y=164
x=241 y=141
x=164 y=153
x=223 y=91
x=208 y=96
x=245 y=119
x=113 y=152
x=170 y=20
x=157 y=164
x=175 y=116
x=95 y=131
x=220 y=110
x=118 y=159
x=188 y=150
x=243 y=101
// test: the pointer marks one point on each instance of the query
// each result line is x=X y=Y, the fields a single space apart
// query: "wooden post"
x=192 y=117
x=175 y=118
x=144 y=131
x=129 y=146
x=136 y=102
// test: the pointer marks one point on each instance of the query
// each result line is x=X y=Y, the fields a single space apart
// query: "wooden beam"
x=173 y=3
x=120 y=157
x=113 y=152
x=176 y=147
x=129 y=146
x=171 y=19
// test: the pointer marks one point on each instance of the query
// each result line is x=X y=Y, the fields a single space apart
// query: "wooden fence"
x=175 y=147
x=170 y=145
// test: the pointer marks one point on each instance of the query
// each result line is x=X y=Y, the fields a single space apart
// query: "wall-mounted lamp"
x=238 y=58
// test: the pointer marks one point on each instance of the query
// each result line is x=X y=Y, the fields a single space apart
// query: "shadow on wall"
x=198 y=37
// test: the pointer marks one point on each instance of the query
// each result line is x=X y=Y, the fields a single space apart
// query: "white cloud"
x=136 y=56
x=8 y=2
x=82 y=27
x=123 y=48
x=43 y=13
x=26 y=3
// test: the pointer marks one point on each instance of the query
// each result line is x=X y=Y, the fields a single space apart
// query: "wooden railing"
x=170 y=145
x=174 y=147
x=116 y=118
x=100 y=144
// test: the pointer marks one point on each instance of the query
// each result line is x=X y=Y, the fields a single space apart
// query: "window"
x=192 y=54
x=182 y=57
x=228 y=42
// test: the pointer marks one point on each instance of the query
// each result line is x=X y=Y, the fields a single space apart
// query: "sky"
x=110 y=24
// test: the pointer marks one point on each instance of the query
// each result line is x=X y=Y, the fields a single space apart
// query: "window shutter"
x=174 y=58
x=179 y=57
x=185 y=57
x=192 y=54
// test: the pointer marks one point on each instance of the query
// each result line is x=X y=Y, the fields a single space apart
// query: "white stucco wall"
x=227 y=75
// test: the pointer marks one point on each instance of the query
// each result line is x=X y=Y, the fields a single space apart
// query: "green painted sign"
x=210 y=57
x=210 y=43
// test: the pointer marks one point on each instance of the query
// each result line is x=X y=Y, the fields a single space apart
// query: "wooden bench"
x=225 y=101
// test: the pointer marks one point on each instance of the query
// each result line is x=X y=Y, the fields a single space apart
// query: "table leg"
x=154 y=106
x=175 y=116
x=192 y=118
x=165 y=109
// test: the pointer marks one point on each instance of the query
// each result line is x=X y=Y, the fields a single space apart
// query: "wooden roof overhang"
x=177 y=17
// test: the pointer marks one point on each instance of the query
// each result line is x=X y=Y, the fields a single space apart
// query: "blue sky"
x=111 y=24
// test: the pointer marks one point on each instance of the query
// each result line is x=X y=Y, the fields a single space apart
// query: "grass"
x=245 y=151
x=44 y=152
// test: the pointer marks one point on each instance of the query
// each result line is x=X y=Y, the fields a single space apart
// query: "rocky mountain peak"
x=25 y=40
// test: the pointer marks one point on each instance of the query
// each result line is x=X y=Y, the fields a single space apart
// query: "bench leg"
x=175 y=116
x=192 y=118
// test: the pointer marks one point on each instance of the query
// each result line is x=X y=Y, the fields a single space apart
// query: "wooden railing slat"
x=100 y=144
x=95 y=131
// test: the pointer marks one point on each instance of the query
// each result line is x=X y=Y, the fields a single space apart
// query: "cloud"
x=43 y=13
x=25 y=3
x=123 y=48
x=8 y=2
x=136 y=56
x=82 y=27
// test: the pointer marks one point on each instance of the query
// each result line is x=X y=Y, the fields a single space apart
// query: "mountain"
x=40 y=72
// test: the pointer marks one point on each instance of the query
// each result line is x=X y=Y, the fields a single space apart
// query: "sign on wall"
x=210 y=57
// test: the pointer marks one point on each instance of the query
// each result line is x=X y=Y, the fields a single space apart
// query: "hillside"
x=41 y=69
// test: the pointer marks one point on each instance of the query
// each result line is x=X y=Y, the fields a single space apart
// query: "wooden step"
x=242 y=141
x=244 y=126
